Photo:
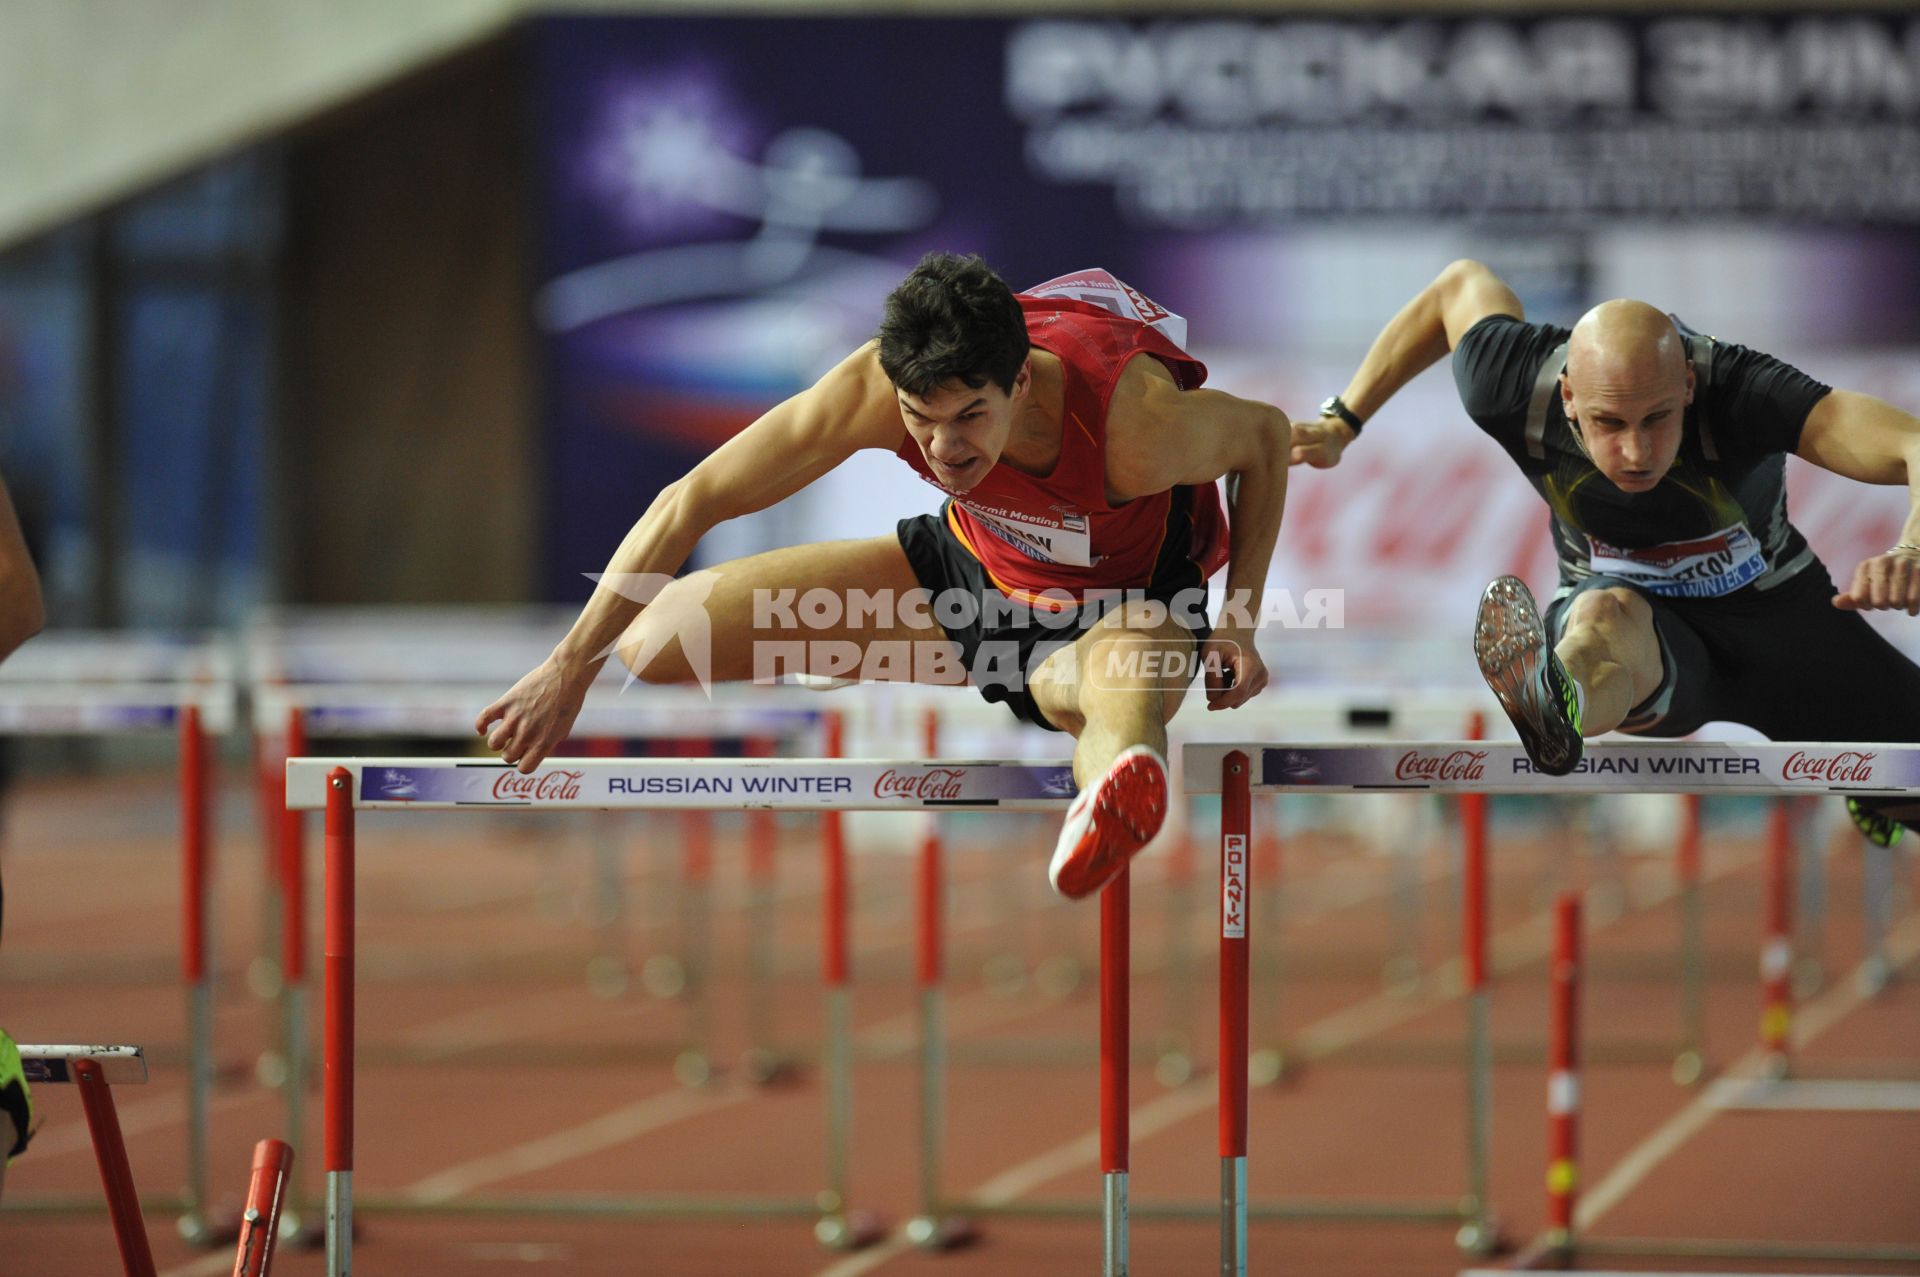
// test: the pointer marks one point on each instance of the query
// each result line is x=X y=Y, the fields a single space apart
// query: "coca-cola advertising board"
x=718 y=784
x=1607 y=766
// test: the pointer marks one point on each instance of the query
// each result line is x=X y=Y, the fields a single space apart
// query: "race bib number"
x=1064 y=540
x=1099 y=288
x=1712 y=565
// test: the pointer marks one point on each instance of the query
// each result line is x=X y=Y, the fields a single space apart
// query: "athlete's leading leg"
x=842 y=609
x=1609 y=648
x=1114 y=690
x=1607 y=662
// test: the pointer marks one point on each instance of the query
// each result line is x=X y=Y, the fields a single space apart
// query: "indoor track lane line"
x=1845 y=996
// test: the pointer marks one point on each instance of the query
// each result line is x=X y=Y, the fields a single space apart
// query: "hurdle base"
x=942 y=1232
x=593 y=1206
x=1270 y=1066
x=1357 y=1210
x=769 y=1066
x=694 y=1069
x=1689 y=1068
x=208 y=1229
x=1742 y=1249
x=1480 y=1237
x=302 y=1231
x=1551 y=1251
x=64 y=1204
x=850 y=1230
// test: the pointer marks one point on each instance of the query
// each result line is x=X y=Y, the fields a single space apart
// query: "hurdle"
x=1772 y=769
x=90 y=685
x=341 y=786
x=95 y=1070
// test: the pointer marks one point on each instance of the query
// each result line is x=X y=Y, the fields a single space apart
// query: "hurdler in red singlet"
x=1067 y=569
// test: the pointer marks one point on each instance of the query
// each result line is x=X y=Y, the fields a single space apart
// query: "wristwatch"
x=1333 y=407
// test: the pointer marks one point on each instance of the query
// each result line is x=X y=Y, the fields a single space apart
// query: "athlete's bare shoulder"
x=855 y=400
x=1143 y=413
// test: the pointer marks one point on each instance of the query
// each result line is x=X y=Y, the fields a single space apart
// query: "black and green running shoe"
x=16 y=1101
x=1874 y=827
x=1510 y=643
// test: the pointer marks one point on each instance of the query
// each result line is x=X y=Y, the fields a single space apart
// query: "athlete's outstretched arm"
x=1870 y=440
x=1159 y=437
x=22 y=611
x=1426 y=328
x=793 y=444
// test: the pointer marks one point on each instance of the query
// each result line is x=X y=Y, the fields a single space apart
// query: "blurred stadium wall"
x=420 y=300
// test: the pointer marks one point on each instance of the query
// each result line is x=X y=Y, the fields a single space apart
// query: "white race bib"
x=1064 y=541
x=1099 y=288
x=1716 y=564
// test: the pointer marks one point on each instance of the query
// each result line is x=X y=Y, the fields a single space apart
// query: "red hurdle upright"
x=1479 y=1235
x=693 y=1064
x=1776 y=956
x=1236 y=820
x=837 y=1226
x=116 y=1177
x=337 y=1089
x=1563 y=1076
x=196 y=872
x=763 y=1061
x=1116 y=1053
x=933 y=1228
x=1690 y=1065
x=266 y=1193
x=291 y=872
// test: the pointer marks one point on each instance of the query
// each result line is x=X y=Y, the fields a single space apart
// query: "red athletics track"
x=474 y=935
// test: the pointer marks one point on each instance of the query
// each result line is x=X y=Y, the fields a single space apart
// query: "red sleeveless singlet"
x=1057 y=531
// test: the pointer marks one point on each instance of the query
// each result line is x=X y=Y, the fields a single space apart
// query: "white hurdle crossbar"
x=1608 y=767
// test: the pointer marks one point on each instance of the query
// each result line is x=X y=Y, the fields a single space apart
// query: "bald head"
x=1625 y=344
x=1626 y=391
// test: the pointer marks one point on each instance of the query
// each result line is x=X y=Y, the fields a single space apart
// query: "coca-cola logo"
x=548 y=787
x=935 y=783
x=1460 y=764
x=1846 y=767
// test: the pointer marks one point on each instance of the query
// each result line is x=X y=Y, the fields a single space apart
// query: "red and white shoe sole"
x=1128 y=811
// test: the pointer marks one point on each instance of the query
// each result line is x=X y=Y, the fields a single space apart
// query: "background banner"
x=726 y=201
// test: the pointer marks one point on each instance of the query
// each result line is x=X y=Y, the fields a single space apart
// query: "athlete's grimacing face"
x=962 y=430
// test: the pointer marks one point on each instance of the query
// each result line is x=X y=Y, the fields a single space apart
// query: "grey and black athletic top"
x=1715 y=524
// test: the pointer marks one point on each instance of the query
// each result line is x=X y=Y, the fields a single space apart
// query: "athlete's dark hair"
x=952 y=319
